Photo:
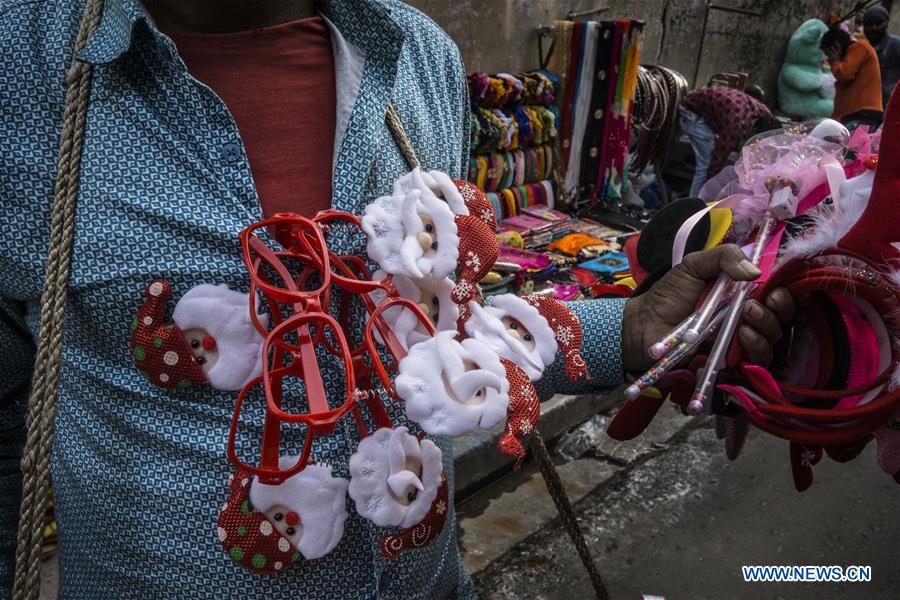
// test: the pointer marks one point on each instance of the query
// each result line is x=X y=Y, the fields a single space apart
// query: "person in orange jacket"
x=854 y=65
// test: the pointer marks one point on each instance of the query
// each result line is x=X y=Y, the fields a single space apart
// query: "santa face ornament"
x=211 y=338
x=450 y=387
x=433 y=298
x=409 y=233
x=394 y=478
x=248 y=536
x=308 y=509
x=412 y=234
x=516 y=330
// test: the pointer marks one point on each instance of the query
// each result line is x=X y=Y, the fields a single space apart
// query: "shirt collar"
x=113 y=34
x=116 y=28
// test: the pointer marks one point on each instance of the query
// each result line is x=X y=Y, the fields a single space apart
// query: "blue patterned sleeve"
x=16 y=357
x=601 y=321
x=465 y=119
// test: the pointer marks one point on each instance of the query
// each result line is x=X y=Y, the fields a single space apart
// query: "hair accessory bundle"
x=832 y=387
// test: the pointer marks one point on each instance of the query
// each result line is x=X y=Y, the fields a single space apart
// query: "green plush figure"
x=805 y=89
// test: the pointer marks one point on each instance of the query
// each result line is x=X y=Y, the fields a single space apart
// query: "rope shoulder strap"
x=539 y=449
x=45 y=379
x=399 y=134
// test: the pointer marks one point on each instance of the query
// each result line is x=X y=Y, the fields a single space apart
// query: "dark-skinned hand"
x=648 y=317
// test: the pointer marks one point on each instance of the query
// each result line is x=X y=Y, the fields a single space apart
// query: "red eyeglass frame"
x=303 y=240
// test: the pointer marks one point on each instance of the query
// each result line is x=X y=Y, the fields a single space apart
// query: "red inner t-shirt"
x=278 y=84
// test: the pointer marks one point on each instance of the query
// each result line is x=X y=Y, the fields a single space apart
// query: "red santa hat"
x=245 y=534
x=875 y=233
x=476 y=202
x=159 y=349
x=522 y=412
x=476 y=225
x=567 y=329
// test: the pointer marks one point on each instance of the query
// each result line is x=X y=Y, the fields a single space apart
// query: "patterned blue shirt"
x=139 y=472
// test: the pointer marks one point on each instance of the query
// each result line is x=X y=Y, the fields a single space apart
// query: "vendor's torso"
x=164 y=188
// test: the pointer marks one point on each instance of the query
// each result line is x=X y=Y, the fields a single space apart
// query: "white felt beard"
x=484 y=324
x=405 y=326
x=451 y=388
x=434 y=182
x=314 y=494
x=392 y=224
x=225 y=315
x=394 y=477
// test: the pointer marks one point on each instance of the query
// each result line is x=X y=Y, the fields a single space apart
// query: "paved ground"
x=671 y=516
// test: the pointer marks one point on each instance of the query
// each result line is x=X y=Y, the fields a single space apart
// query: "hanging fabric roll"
x=601 y=79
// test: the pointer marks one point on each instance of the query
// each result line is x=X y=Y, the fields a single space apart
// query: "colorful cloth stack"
x=513 y=135
x=516 y=161
x=497 y=170
x=600 y=63
x=509 y=202
x=503 y=89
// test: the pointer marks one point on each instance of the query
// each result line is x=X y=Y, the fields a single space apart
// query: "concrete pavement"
x=675 y=518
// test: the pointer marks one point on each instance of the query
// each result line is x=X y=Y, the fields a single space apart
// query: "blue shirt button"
x=231 y=152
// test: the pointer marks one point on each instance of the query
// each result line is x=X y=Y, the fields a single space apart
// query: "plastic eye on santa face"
x=519 y=331
x=431 y=307
x=427 y=238
x=203 y=348
x=286 y=522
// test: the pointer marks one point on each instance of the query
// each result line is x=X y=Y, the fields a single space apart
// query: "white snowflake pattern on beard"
x=392 y=260
x=368 y=467
x=380 y=228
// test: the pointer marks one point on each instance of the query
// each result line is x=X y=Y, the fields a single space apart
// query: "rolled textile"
x=558 y=61
x=510 y=201
x=498 y=170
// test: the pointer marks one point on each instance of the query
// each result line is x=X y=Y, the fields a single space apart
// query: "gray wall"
x=497 y=35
